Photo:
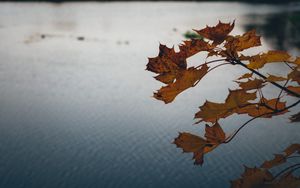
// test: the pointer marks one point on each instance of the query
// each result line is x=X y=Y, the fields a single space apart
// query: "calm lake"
x=75 y=100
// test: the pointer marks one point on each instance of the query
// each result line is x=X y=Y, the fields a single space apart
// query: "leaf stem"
x=278 y=98
x=217 y=66
x=240 y=128
x=209 y=62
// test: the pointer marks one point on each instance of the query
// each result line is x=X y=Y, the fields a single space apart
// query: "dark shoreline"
x=245 y=1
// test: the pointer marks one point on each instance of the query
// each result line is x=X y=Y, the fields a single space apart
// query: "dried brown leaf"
x=217 y=33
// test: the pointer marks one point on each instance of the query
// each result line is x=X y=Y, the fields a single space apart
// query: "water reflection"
x=77 y=113
x=281 y=30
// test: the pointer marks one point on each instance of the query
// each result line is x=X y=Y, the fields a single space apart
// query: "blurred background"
x=75 y=100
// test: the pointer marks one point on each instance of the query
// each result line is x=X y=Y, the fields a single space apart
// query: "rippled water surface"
x=75 y=100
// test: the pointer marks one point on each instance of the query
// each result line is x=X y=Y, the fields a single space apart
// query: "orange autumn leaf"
x=167 y=78
x=193 y=46
x=281 y=158
x=292 y=149
x=251 y=84
x=258 y=61
x=265 y=109
x=217 y=33
x=294 y=76
x=247 y=75
x=184 y=80
x=261 y=177
x=273 y=78
x=240 y=43
x=211 y=112
x=252 y=178
x=297 y=61
x=286 y=181
x=214 y=134
x=278 y=159
x=169 y=61
x=295 y=89
x=166 y=61
x=199 y=146
x=191 y=143
x=171 y=66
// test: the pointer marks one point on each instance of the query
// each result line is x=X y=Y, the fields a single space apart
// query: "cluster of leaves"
x=262 y=177
x=172 y=69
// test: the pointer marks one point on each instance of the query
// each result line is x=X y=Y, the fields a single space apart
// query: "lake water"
x=75 y=100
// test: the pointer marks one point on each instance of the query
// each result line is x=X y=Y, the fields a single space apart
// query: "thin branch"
x=240 y=128
x=289 y=65
x=286 y=169
x=211 y=70
x=274 y=112
x=278 y=98
x=291 y=106
x=217 y=66
x=268 y=107
x=261 y=95
x=213 y=61
x=264 y=77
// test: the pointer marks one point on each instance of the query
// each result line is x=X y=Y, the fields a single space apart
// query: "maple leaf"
x=297 y=61
x=184 y=80
x=191 y=143
x=258 y=61
x=166 y=61
x=267 y=107
x=240 y=43
x=214 y=136
x=295 y=89
x=261 y=177
x=217 y=33
x=171 y=66
x=286 y=181
x=294 y=76
x=281 y=158
x=252 y=178
x=251 y=84
x=236 y=99
x=273 y=78
x=247 y=75
x=169 y=61
x=278 y=159
x=292 y=149
x=193 y=46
